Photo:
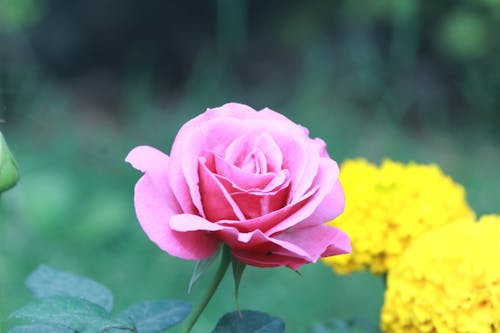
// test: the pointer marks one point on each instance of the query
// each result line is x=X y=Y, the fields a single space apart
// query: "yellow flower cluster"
x=387 y=207
x=447 y=281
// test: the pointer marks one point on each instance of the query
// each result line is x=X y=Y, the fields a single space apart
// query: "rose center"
x=256 y=162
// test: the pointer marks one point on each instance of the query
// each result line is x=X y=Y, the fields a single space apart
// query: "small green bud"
x=9 y=173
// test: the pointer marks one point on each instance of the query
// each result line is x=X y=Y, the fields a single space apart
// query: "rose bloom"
x=253 y=180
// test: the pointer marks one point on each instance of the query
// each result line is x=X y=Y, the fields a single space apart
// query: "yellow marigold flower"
x=447 y=281
x=387 y=207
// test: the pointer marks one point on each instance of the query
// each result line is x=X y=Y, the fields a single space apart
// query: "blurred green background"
x=83 y=82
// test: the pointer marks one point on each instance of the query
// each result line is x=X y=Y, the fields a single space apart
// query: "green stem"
x=221 y=271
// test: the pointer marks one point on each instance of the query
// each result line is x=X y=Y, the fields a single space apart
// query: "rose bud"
x=9 y=174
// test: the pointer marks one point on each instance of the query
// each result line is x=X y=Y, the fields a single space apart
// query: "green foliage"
x=39 y=328
x=46 y=281
x=155 y=316
x=238 y=269
x=248 y=321
x=70 y=312
x=66 y=301
x=201 y=267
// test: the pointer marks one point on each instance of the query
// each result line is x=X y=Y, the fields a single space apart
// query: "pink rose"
x=253 y=180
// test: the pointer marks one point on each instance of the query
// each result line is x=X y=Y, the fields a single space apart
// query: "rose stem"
x=221 y=271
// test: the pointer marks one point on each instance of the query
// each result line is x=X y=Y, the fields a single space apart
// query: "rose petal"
x=154 y=209
x=244 y=112
x=265 y=260
x=190 y=222
x=292 y=249
x=321 y=147
x=255 y=242
x=261 y=147
x=341 y=245
x=268 y=221
x=302 y=160
x=280 y=180
x=236 y=110
x=331 y=207
x=236 y=239
x=217 y=202
x=318 y=241
x=152 y=161
x=191 y=141
x=277 y=182
x=254 y=204
x=239 y=178
x=325 y=180
x=259 y=161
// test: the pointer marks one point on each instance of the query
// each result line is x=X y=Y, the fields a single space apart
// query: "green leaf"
x=238 y=268
x=201 y=267
x=248 y=321
x=70 y=312
x=155 y=316
x=47 y=281
x=39 y=328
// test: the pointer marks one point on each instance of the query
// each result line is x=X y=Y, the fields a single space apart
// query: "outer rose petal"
x=263 y=260
x=155 y=205
x=235 y=239
x=152 y=161
x=325 y=180
x=331 y=207
x=292 y=249
x=319 y=241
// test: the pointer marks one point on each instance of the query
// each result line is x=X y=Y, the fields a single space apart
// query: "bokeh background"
x=82 y=82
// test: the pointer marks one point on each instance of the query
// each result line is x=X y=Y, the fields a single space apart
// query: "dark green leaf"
x=249 y=322
x=155 y=316
x=70 y=312
x=201 y=267
x=238 y=268
x=39 y=328
x=47 y=281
